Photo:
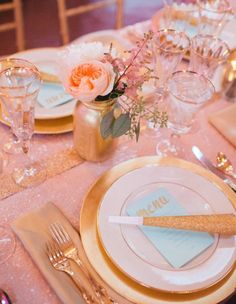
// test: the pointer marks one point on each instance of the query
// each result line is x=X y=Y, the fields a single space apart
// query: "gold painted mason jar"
x=88 y=141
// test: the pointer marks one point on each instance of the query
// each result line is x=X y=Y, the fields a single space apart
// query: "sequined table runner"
x=55 y=164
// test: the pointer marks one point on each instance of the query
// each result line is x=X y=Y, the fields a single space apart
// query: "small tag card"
x=178 y=247
x=52 y=95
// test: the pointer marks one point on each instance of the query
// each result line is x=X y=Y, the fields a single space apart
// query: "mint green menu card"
x=52 y=95
x=178 y=247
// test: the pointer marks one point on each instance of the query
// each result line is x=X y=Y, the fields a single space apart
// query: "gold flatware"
x=224 y=164
x=47 y=77
x=62 y=263
x=66 y=245
x=215 y=223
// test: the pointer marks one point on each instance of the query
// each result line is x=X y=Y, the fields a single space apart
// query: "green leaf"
x=106 y=124
x=121 y=125
x=115 y=93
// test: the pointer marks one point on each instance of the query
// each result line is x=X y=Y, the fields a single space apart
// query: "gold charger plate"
x=49 y=126
x=112 y=275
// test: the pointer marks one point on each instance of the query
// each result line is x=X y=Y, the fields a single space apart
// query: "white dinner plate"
x=45 y=60
x=134 y=254
x=106 y=37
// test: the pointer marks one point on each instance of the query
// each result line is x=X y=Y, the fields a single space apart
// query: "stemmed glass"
x=180 y=15
x=19 y=86
x=168 y=49
x=12 y=146
x=187 y=93
x=213 y=16
x=207 y=53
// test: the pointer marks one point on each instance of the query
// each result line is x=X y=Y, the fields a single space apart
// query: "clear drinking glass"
x=213 y=16
x=180 y=15
x=12 y=146
x=19 y=86
x=207 y=52
x=168 y=48
x=187 y=93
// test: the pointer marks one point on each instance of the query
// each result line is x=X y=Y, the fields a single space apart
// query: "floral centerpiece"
x=93 y=72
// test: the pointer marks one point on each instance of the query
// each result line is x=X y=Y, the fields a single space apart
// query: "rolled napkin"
x=216 y=223
x=225 y=122
x=32 y=229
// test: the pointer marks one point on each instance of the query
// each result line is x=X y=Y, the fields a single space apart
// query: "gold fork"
x=64 y=241
x=62 y=263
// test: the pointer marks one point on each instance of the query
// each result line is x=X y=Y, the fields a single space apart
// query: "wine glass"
x=12 y=146
x=187 y=92
x=19 y=86
x=213 y=16
x=207 y=53
x=168 y=49
x=180 y=15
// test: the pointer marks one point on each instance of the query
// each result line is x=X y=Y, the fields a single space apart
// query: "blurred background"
x=41 y=25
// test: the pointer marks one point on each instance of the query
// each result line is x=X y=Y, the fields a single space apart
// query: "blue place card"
x=178 y=247
x=52 y=95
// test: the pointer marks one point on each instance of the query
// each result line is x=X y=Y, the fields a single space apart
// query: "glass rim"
x=12 y=59
x=187 y=11
x=212 y=38
x=30 y=65
x=226 y=10
x=211 y=85
x=177 y=32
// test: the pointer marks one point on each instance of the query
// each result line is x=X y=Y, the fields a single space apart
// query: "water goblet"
x=180 y=15
x=187 y=93
x=168 y=49
x=207 y=53
x=19 y=86
x=213 y=16
x=12 y=146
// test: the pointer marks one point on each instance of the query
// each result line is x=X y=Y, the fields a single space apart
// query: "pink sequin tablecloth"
x=19 y=275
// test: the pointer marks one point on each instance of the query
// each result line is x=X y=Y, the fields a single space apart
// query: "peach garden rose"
x=86 y=74
x=90 y=79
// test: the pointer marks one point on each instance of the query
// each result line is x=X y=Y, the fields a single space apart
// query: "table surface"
x=19 y=275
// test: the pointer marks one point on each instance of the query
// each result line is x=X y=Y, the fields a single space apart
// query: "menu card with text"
x=178 y=247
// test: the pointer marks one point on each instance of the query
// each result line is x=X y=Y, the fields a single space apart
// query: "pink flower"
x=90 y=79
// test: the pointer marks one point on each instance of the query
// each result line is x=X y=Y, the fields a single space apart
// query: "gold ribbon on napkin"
x=33 y=231
x=55 y=164
x=225 y=122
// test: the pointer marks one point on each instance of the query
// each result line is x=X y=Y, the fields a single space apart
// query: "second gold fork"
x=64 y=241
x=62 y=263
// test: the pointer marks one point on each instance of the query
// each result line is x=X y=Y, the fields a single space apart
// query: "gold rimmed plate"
x=110 y=273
